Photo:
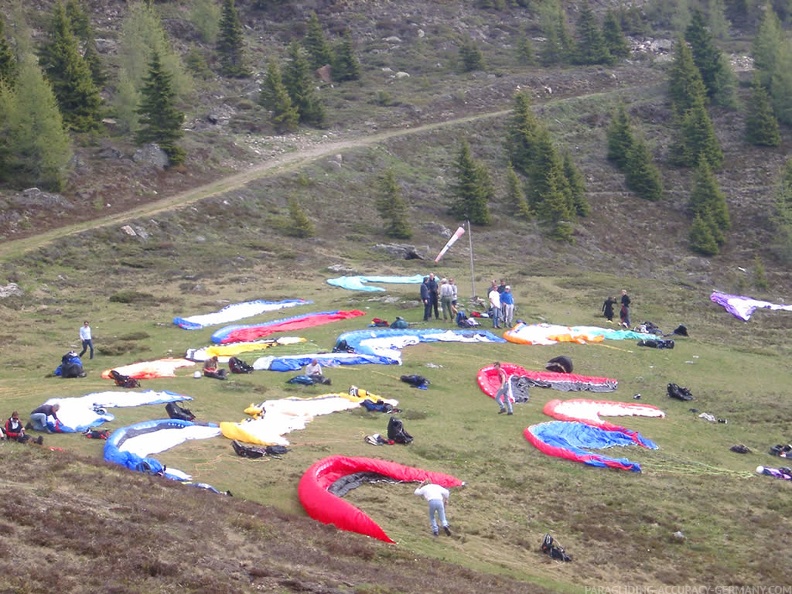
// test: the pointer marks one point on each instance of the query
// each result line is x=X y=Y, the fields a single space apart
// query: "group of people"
x=438 y=297
x=624 y=310
x=39 y=421
x=501 y=303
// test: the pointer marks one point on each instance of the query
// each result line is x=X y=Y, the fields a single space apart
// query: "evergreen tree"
x=701 y=239
x=8 y=63
x=716 y=19
x=781 y=84
x=301 y=224
x=761 y=125
x=559 y=46
x=550 y=195
x=760 y=275
x=472 y=190
x=315 y=43
x=70 y=76
x=346 y=65
x=230 y=43
x=615 y=40
x=577 y=186
x=766 y=45
x=620 y=137
x=38 y=141
x=84 y=31
x=525 y=51
x=591 y=46
x=685 y=85
x=161 y=121
x=716 y=74
x=516 y=200
x=392 y=207
x=298 y=79
x=275 y=97
x=522 y=133
x=640 y=173
x=6 y=154
x=206 y=16
x=782 y=241
x=708 y=202
x=697 y=139
x=471 y=57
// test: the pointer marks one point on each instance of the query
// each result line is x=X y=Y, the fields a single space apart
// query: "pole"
x=472 y=276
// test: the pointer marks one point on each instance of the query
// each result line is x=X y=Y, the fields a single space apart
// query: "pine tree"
x=161 y=121
x=84 y=31
x=615 y=40
x=516 y=201
x=760 y=275
x=640 y=173
x=525 y=51
x=8 y=63
x=275 y=97
x=470 y=56
x=472 y=190
x=577 y=186
x=392 y=207
x=6 y=153
x=716 y=19
x=761 y=125
x=685 y=85
x=301 y=224
x=716 y=74
x=205 y=15
x=315 y=43
x=70 y=76
x=559 y=47
x=38 y=141
x=782 y=241
x=766 y=45
x=298 y=79
x=701 y=239
x=708 y=202
x=522 y=133
x=698 y=140
x=550 y=195
x=620 y=137
x=230 y=43
x=781 y=84
x=591 y=46
x=346 y=65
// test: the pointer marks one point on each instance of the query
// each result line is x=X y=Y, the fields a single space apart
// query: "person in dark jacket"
x=434 y=296
x=624 y=313
x=15 y=431
x=607 y=308
x=38 y=418
x=426 y=299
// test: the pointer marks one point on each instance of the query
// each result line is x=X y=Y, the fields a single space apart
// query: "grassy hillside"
x=196 y=250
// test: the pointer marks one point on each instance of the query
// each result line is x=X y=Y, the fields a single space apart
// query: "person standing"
x=437 y=497
x=507 y=307
x=495 y=306
x=502 y=397
x=454 y=296
x=87 y=341
x=446 y=295
x=607 y=308
x=624 y=313
x=434 y=295
x=426 y=299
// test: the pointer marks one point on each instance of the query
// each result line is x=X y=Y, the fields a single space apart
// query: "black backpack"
x=553 y=549
x=178 y=412
x=397 y=433
x=560 y=364
x=679 y=392
x=239 y=366
x=124 y=381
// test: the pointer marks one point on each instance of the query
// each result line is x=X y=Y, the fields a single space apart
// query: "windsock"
x=451 y=241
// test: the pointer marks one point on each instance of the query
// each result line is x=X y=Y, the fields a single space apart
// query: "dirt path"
x=271 y=167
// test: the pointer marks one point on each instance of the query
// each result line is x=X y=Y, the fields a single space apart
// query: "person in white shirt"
x=446 y=297
x=313 y=368
x=85 y=337
x=437 y=497
x=495 y=307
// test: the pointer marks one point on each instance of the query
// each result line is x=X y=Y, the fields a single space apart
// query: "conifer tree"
x=315 y=43
x=8 y=62
x=525 y=51
x=516 y=201
x=640 y=173
x=161 y=121
x=577 y=186
x=766 y=45
x=591 y=46
x=620 y=137
x=470 y=56
x=392 y=207
x=301 y=224
x=231 y=42
x=522 y=133
x=559 y=47
x=716 y=73
x=472 y=190
x=206 y=16
x=783 y=215
x=275 y=97
x=550 y=195
x=701 y=239
x=708 y=202
x=615 y=40
x=298 y=79
x=761 y=125
x=685 y=85
x=346 y=65
x=716 y=19
x=69 y=74
x=6 y=105
x=38 y=141
x=84 y=31
x=781 y=84
x=697 y=139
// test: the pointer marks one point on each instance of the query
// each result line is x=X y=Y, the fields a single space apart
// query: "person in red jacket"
x=14 y=430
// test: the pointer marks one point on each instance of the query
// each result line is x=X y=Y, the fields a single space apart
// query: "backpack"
x=178 y=412
x=342 y=347
x=400 y=323
x=250 y=451
x=239 y=366
x=553 y=549
x=416 y=381
x=679 y=392
x=379 y=323
x=560 y=364
x=96 y=434
x=123 y=381
x=397 y=433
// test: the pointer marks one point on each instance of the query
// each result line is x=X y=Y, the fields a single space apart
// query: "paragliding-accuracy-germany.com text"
x=625 y=589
